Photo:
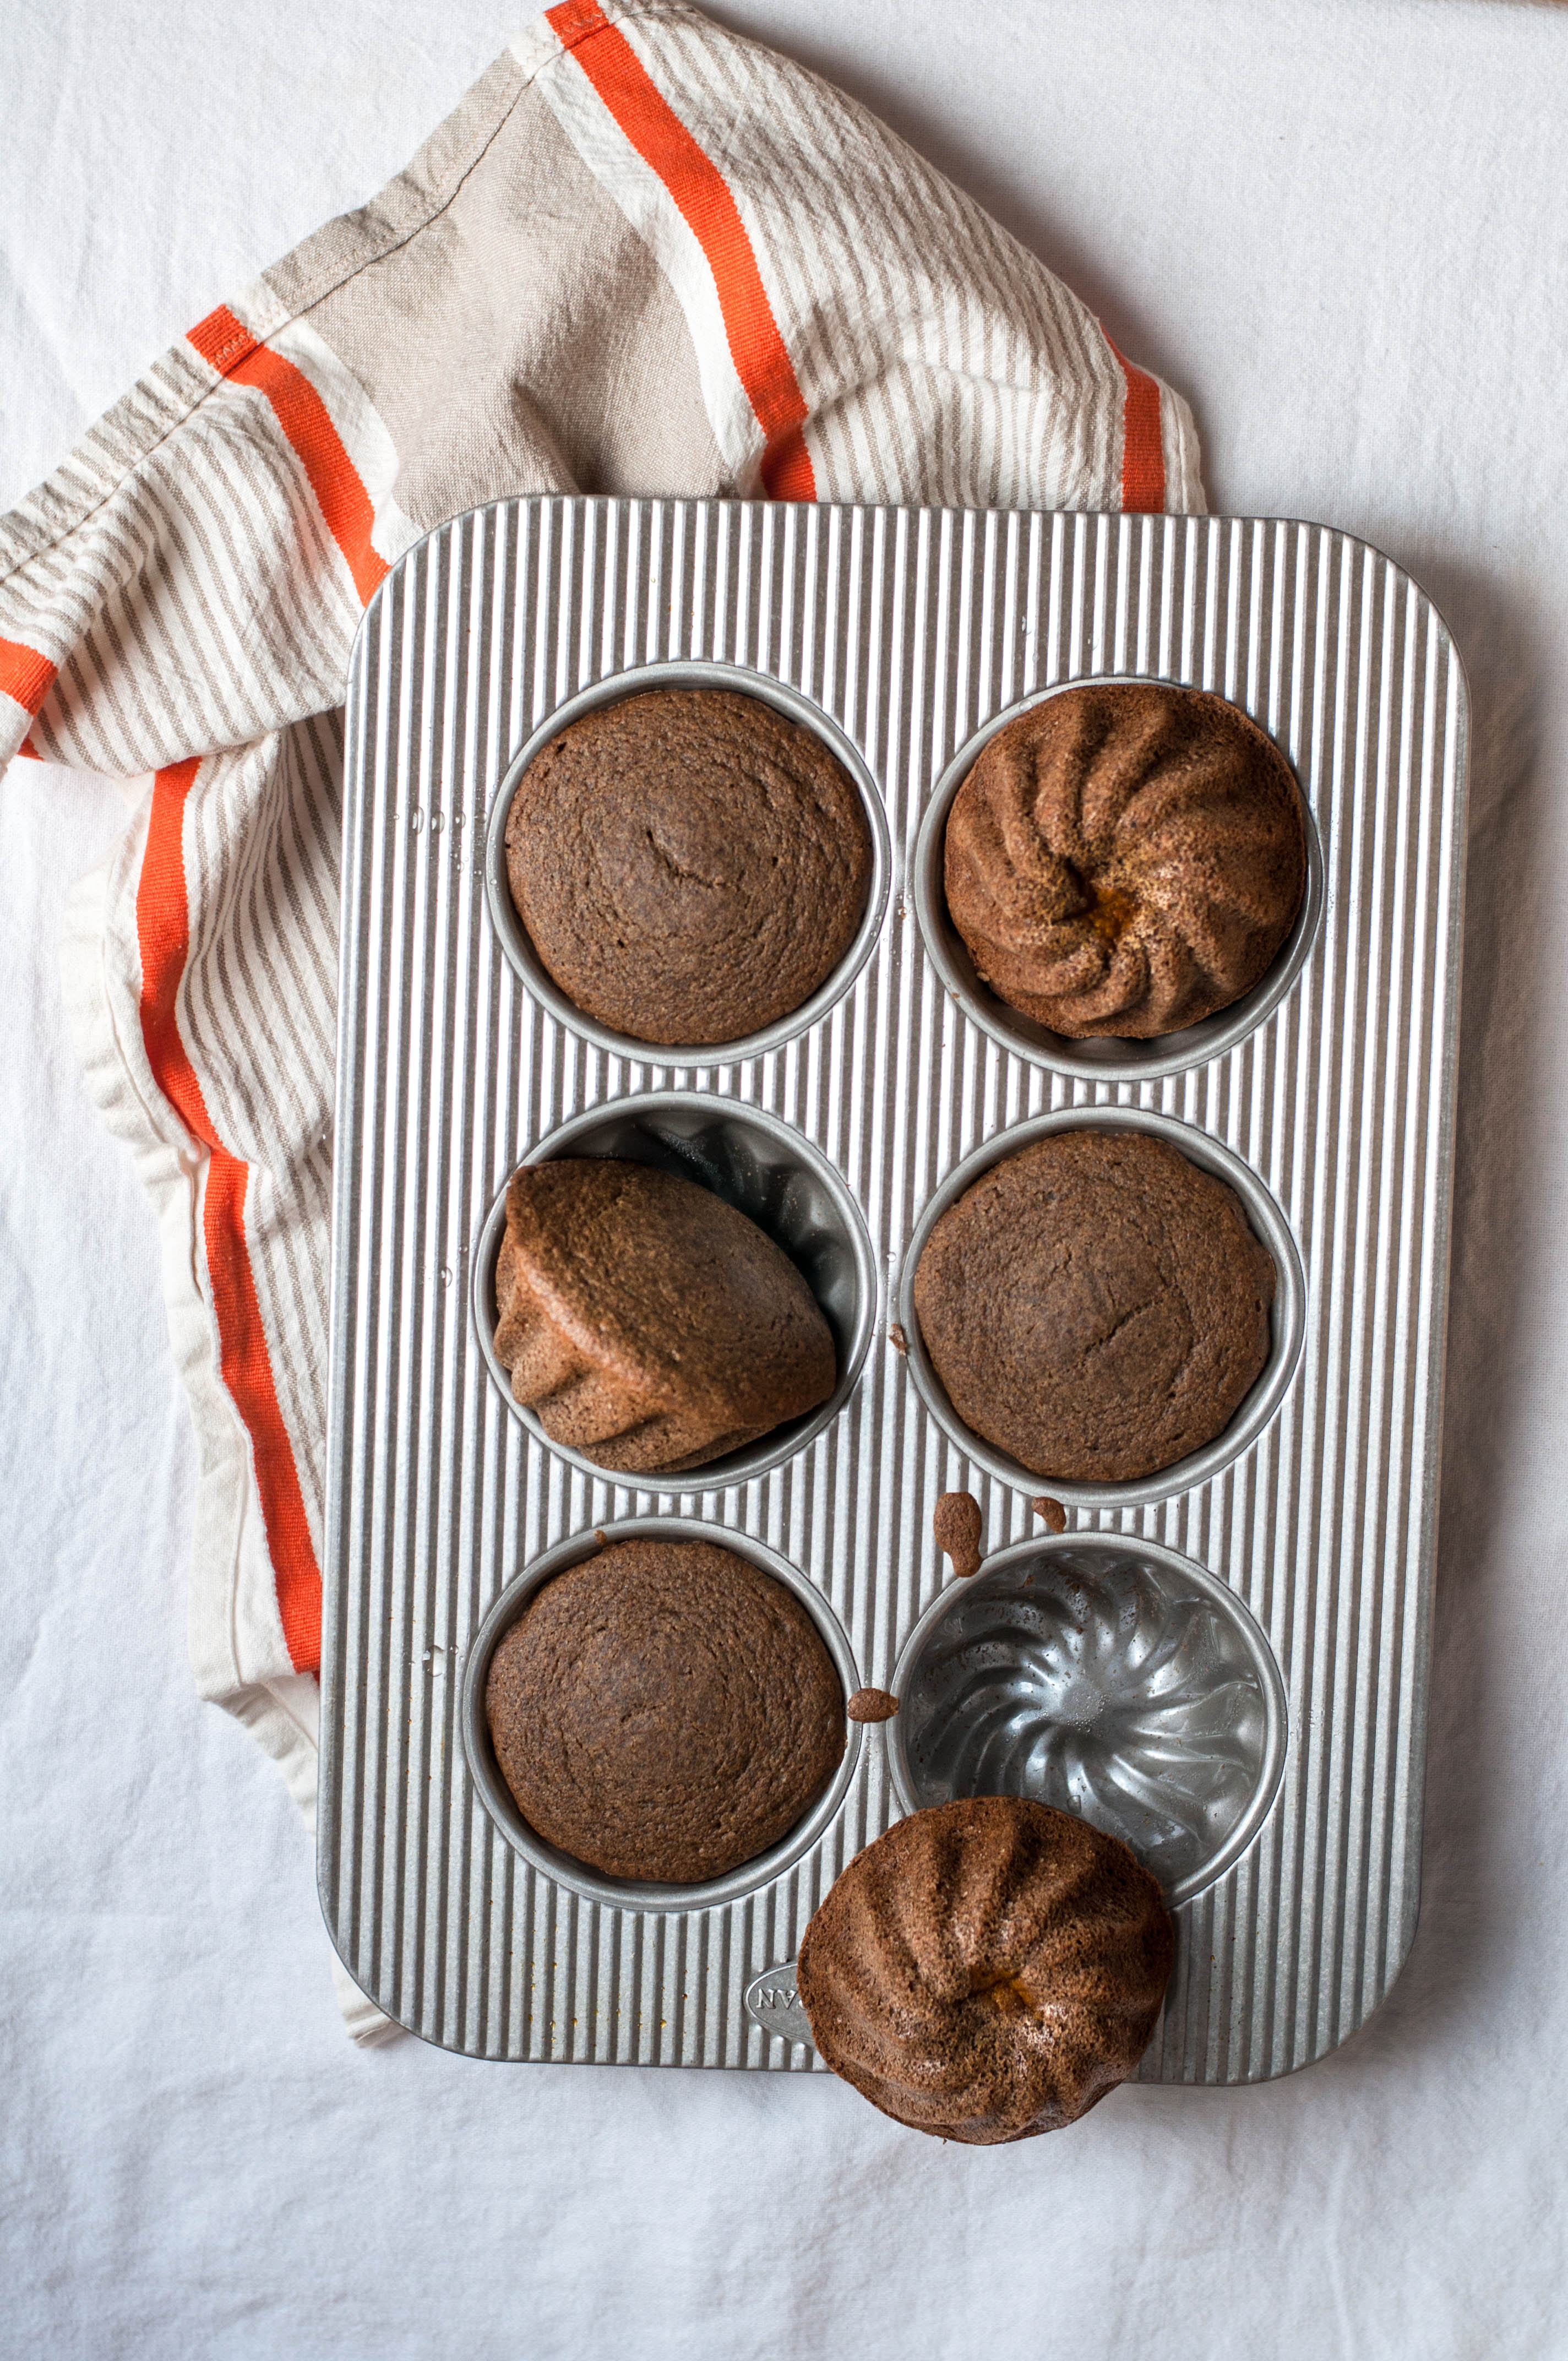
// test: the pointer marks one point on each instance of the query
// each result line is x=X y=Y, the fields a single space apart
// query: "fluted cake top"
x=988 y=1969
x=1125 y=858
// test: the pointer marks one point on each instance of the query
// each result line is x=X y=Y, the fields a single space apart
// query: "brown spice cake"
x=1096 y=1305
x=664 y=1710
x=649 y=1325
x=987 y=1969
x=690 y=864
x=1125 y=859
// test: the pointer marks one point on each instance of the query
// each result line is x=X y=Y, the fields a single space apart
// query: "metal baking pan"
x=1228 y=1663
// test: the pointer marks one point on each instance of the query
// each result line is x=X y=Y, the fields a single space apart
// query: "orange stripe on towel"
x=163 y=931
x=230 y=348
x=25 y=675
x=1143 y=449
x=702 y=195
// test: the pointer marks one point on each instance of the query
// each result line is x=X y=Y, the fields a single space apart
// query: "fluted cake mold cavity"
x=1103 y=1058
x=1106 y=1675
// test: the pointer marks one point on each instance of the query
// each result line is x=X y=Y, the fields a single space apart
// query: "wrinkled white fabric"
x=1338 y=228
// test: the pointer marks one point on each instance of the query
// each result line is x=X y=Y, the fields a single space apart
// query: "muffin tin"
x=1227 y=1662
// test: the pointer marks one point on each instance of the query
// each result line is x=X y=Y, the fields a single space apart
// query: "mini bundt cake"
x=649 y=1325
x=1096 y=1305
x=690 y=864
x=1125 y=859
x=987 y=1969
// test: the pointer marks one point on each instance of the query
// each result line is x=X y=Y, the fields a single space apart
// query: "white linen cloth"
x=1341 y=226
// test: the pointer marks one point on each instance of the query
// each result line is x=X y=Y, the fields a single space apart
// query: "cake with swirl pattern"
x=988 y=1969
x=1127 y=858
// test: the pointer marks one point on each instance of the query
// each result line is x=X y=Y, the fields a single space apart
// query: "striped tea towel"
x=645 y=256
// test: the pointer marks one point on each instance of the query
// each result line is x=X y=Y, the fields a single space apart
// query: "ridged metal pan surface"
x=910 y=630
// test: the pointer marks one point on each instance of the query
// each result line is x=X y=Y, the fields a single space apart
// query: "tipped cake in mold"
x=988 y=1969
x=647 y=1324
x=1127 y=858
x=664 y=1710
x=1096 y=1305
x=690 y=864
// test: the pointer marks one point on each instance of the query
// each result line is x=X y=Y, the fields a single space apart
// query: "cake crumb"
x=1052 y=1510
x=872 y=1704
x=897 y=1339
x=957 y=1525
x=600 y=1536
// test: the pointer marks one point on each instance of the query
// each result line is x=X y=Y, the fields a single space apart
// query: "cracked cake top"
x=1096 y=1305
x=690 y=864
x=664 y=1710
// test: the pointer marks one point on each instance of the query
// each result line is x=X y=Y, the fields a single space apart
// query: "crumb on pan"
x=957 y=1524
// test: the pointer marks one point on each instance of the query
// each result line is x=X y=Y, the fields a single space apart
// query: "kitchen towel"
x=643 y=256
